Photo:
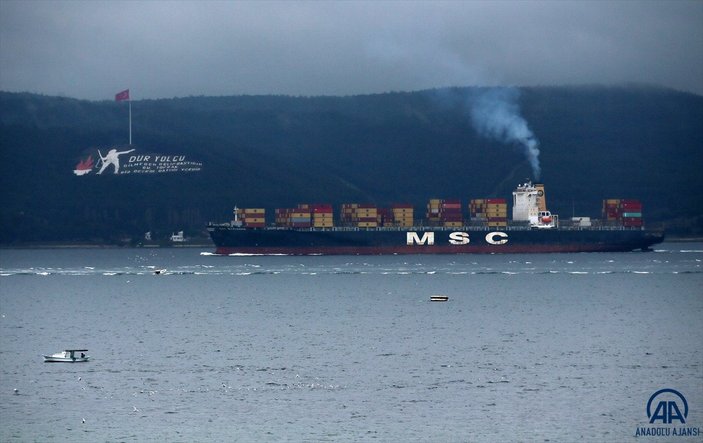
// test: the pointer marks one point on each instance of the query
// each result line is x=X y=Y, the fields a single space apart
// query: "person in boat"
x=82 y=354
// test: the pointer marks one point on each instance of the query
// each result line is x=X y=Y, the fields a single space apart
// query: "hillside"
x=274 y=151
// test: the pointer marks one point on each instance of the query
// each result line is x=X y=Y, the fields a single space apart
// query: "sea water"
x=544 y=347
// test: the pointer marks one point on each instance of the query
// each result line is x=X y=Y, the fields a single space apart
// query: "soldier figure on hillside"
x=112 y=157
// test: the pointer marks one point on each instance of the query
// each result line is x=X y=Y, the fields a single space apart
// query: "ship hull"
x=233 y=240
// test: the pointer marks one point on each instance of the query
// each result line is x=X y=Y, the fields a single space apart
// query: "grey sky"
x=162 y=49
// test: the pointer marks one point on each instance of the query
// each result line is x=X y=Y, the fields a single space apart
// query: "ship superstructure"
x=530 y=205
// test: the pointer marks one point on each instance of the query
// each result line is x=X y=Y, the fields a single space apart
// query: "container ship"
x=365 y=229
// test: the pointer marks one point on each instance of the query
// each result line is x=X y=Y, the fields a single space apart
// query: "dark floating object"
x=439 y=298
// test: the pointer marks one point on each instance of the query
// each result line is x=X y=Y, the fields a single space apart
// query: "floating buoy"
x=439 y=298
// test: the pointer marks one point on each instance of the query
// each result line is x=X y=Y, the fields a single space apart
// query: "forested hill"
x=274 y=151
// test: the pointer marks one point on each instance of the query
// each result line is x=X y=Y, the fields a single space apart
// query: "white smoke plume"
x=495 y=114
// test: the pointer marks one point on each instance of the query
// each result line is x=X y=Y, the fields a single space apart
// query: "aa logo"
x=667 y=405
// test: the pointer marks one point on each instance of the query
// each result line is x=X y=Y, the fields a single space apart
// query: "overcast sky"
x=91 y=50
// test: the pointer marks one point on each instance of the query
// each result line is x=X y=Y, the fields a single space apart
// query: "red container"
x=495 y=200
x=631 y=207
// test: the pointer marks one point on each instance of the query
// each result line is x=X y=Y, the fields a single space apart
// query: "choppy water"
x=548 y=347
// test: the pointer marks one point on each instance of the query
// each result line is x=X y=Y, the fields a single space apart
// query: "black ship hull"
x=350 y=241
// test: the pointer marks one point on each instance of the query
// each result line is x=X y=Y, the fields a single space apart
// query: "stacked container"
x=445 y=212
x=402 y=214
x=293 y=217
x=321 y=215
x=283 y=216
x=611 y=209
x=477 y=209
x=252 y=217
x=623 y=212
x=491 y=211
x=384 y=217
x=631 y=213
x=450 y=213
x=359 y=215
x=497 y=212
x=432 y=215
x=300 y=218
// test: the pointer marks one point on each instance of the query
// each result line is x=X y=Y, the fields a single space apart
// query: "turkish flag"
x=122 y=96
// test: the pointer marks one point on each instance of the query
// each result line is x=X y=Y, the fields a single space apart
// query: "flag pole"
x=120 y=97
x=130 y=121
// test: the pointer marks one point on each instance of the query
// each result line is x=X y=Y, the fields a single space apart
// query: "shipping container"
x=622 y=211
x=402 y=211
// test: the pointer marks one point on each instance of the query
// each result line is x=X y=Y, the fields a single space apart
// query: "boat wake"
x=243 y=271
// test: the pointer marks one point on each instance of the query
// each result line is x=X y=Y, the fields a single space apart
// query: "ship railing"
x=434 y=228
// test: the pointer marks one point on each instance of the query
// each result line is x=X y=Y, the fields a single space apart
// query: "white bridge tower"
x=529 y=204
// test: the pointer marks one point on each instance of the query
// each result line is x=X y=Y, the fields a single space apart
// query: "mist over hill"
x=588 y=143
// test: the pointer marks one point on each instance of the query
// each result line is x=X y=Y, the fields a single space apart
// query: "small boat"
x=67 y=356
x=439 y=298
x=159 y=271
